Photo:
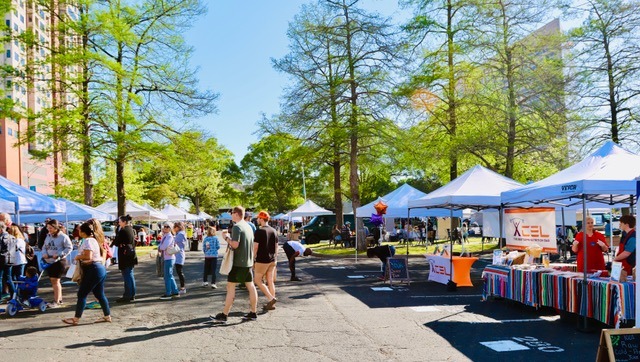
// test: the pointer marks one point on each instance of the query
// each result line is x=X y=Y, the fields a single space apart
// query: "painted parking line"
x=338 y=267
x=381 y=289
x=425 y=308
x=504 y=346
x=447 y=296
x=355 y=276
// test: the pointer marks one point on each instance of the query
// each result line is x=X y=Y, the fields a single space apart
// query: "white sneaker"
x=182 y=291
x=205 y=284
x=214 y=286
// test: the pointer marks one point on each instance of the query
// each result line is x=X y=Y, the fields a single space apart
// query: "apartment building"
x=29 y=85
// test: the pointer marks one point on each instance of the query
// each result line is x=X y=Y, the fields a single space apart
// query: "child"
x=29 y=285
x=210 y=246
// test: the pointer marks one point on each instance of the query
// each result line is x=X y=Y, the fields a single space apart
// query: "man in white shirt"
x=294 y=249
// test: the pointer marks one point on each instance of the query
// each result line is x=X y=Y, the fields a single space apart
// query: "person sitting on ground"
x=382 y=252
x=294 y=249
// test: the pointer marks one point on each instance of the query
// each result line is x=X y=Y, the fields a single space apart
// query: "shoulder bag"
x=227 y=262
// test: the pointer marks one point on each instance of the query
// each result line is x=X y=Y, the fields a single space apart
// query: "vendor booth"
x=26 y=201
x=606 y=177
x=477 y=188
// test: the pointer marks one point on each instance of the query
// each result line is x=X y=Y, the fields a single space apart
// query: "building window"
x=9 y=131
x=8 y=54
x=22 y=19
x=8 y=22
x=15 y=27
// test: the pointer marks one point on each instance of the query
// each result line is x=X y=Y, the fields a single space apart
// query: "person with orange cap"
x=265 y=251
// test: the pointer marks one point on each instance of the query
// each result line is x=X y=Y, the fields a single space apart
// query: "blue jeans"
x=7 y=279
x=93 y=277
x=129 y=283
x=170 y=286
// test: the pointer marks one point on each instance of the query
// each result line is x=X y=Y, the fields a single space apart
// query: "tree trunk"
x=453 y=125
x=613 y=104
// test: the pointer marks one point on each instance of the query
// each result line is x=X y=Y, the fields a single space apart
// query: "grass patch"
x=145 y=250
x=474 y=246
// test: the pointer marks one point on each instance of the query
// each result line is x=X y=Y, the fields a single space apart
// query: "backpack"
x=5 y=240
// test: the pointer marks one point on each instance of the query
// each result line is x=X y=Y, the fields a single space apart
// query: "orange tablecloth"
x=461 y=269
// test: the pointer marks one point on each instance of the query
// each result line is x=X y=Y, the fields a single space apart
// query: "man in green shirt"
x=241 y=241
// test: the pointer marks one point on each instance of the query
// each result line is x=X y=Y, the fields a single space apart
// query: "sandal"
x=104 y=319
x=71 y=321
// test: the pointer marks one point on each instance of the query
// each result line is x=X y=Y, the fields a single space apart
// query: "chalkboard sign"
x=619 y=345
x=398 y=270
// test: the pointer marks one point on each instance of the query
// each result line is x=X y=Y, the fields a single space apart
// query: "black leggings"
x=210 y=265
x=180 y=274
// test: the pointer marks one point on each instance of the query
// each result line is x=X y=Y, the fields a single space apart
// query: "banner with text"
x=526 y=227
x=439 y=269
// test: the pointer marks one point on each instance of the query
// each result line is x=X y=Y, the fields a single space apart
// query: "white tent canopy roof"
x=397 y=202
x=204 y=216
x=607 y=176
x=309 y=208
x=477 y=188
x=136 y=211
x=176 y=213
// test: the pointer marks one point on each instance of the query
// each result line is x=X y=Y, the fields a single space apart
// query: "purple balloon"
x=377 y=220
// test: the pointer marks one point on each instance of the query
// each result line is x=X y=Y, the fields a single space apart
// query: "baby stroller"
x=25 y=294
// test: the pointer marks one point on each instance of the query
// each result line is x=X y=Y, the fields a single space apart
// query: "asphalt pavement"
x=339 y=312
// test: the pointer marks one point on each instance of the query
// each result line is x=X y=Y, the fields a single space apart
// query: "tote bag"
x=227 y=262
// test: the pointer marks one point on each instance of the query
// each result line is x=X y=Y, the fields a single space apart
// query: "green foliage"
x=274 y=172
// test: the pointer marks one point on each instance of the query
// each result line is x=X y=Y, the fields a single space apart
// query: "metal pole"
x=583 y=320
x=304 y=190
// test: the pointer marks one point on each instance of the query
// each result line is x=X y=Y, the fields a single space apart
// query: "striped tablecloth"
x=606 y=301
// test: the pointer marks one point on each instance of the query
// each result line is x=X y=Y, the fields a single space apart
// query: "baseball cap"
x=264 y=215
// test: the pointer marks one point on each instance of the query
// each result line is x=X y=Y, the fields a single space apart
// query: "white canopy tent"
x=204 y=216
x=309 y=208
x=136 y=211
x=608 y=177
x=477 y=188
x=397 y=202
x=175 y=213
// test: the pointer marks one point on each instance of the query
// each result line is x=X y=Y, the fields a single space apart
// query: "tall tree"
x=607 y=65
x=274 y=184
x=146 y=80
x=441 y=27
x=519 y=87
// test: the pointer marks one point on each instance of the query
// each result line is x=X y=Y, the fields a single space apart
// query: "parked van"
x=319 y=228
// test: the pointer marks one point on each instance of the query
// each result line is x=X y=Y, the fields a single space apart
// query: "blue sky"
x=234 y=43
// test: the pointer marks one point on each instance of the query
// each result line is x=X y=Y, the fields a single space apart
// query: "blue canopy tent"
x=27 y=201
x=75 y=212
x=7 y=206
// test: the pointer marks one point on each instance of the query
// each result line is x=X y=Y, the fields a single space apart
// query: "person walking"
x=265 y=250
x=294 y=249
x=167 y=243
x=125 y=241
x=5 y=278
x=210 y=247
x=56 y=247
x=91 y=257
x=180 y=239
x=17 y=254
x=241 y=241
